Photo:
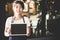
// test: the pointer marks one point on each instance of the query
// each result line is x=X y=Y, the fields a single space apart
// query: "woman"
x=17 y=7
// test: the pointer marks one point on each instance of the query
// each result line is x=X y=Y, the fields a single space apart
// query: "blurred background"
x=44 y=17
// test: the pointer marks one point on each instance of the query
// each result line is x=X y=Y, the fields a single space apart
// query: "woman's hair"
x=20 y=2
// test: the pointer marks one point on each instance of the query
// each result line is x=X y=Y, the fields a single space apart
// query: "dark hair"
x=20 y=2
x=24 y=0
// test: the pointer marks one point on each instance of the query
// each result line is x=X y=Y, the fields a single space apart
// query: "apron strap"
x=23 y=19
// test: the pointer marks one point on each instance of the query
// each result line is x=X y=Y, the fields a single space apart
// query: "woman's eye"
x=16 y=6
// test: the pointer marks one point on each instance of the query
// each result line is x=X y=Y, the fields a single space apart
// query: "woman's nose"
x=18 y=8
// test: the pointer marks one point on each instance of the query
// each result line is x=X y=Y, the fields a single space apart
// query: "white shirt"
x=9 y=21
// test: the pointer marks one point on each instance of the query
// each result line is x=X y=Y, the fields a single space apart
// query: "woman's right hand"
x=7 y=32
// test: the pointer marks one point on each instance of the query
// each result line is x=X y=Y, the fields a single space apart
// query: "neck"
x=17 y=17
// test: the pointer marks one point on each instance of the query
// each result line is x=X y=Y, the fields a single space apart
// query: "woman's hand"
x=28 y=31
x=7 y=32
x=28 y=34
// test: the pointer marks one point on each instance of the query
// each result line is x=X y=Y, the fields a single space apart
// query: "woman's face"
x=17 y=8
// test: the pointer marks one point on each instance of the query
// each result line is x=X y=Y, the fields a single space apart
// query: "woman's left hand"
x=28 y=34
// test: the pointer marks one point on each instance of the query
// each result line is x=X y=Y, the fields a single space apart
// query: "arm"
x=27 y=21
x=7 y=30
x=28 y=31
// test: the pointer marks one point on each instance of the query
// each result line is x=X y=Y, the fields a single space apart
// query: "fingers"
x=28 y=34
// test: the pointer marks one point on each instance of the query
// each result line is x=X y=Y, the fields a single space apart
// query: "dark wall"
x=57 y=2
x=54 y=26
x=2 y=19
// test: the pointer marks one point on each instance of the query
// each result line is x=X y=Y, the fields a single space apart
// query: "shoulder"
x=8 y=21
x=26 y=17
x=9 y=18
x=27 y=21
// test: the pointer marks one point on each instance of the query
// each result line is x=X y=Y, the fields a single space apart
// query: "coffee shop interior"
x=44 y=17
